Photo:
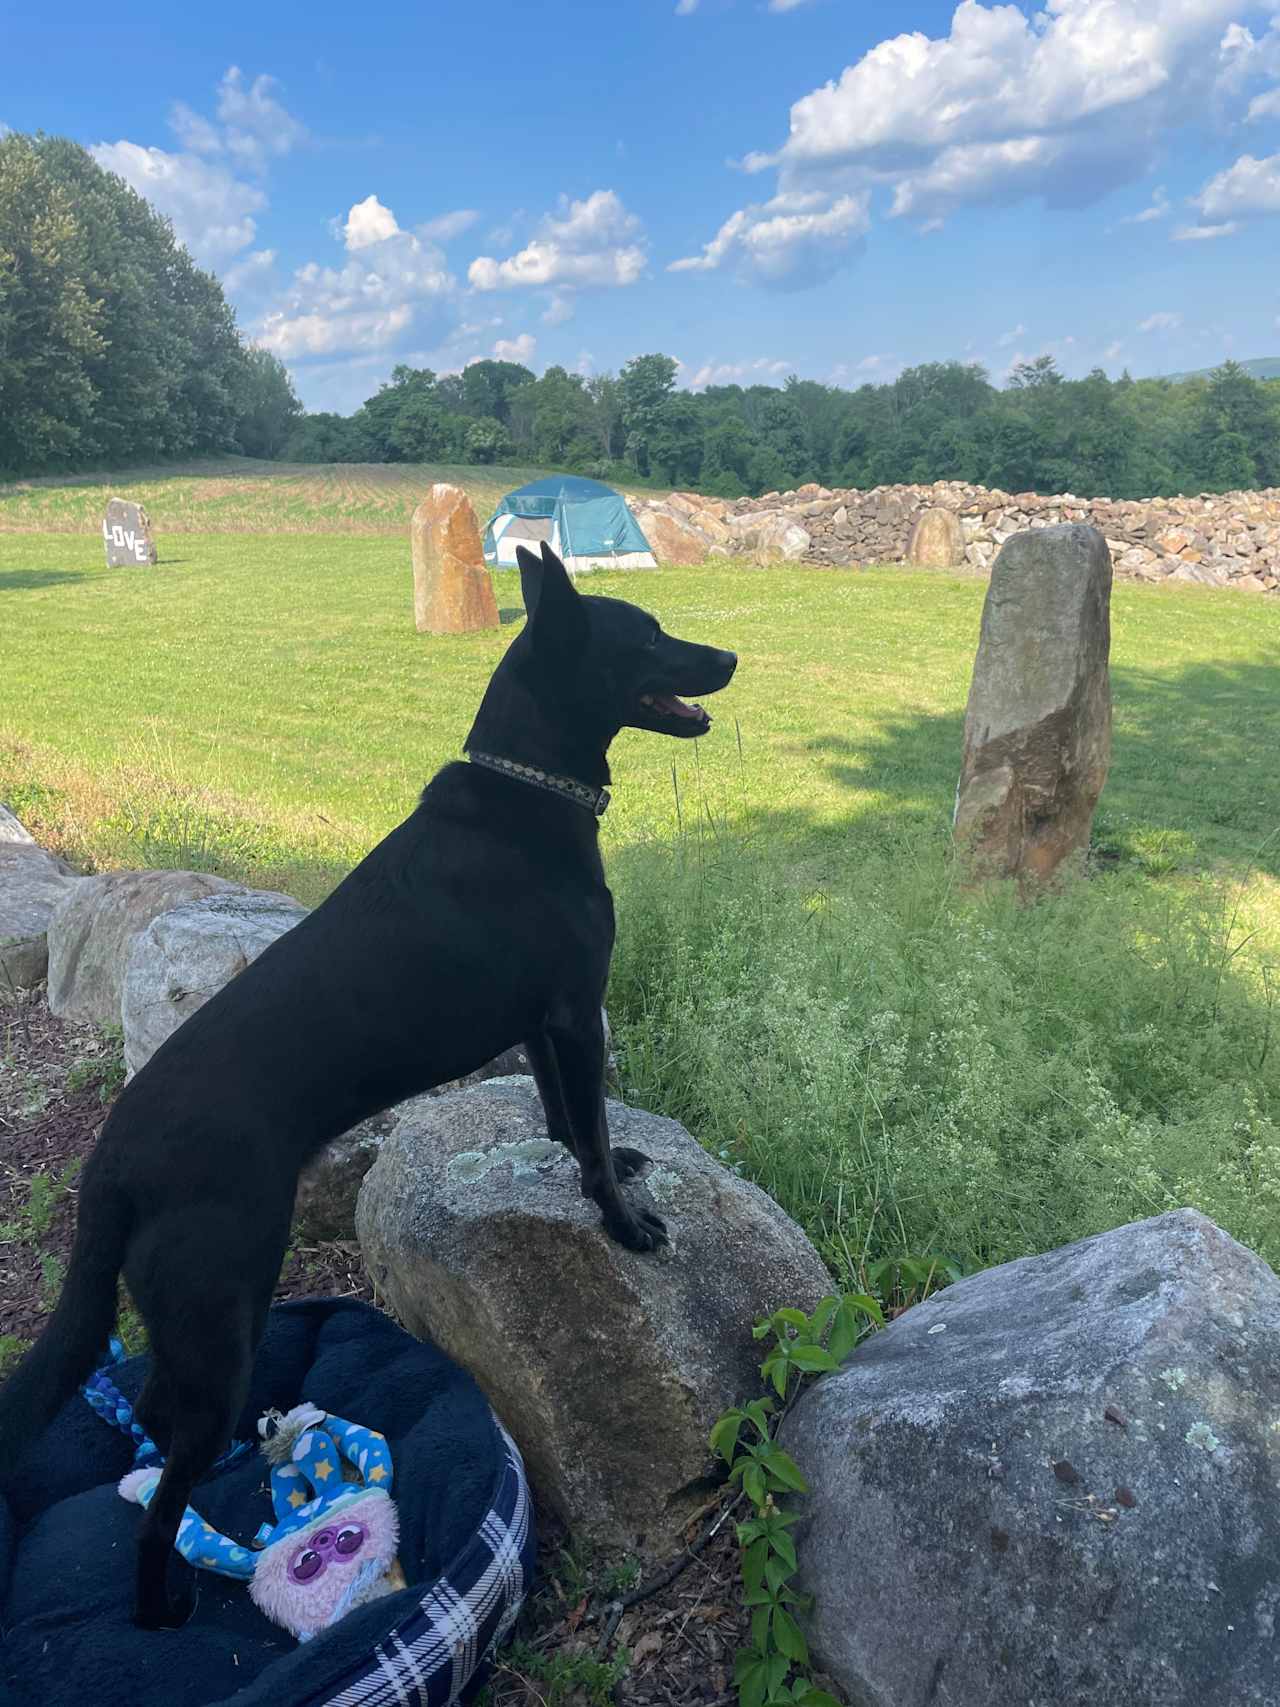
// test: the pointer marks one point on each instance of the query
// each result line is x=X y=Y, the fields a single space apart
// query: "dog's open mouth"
x=667 y=711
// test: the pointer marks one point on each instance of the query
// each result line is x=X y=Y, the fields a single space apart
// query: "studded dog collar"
x=594 y=800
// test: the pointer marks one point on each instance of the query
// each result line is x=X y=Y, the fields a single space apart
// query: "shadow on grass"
x=24 y=580
x=1193 y=773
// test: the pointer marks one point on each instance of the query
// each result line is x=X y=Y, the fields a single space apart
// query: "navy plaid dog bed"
x=467 y=1544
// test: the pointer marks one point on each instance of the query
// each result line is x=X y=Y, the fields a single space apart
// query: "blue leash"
x=111 y=1405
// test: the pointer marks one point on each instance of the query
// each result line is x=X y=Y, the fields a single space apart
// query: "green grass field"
x=906 y=1066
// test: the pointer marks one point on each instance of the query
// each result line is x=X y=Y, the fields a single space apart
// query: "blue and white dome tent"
x=586 y=523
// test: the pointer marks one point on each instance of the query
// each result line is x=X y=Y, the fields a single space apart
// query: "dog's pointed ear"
x=551 y=600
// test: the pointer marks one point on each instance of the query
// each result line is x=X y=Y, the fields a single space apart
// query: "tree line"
x=1122 y=438
x=115 y=348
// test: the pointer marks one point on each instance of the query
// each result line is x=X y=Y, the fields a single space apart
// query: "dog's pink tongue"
x=674 y=707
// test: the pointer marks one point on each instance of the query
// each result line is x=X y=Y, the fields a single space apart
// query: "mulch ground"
x=594 y=1630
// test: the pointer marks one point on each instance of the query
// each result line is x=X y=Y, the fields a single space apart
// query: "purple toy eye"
x=350 y=1539
x=305 y=1564
x=323 y=1541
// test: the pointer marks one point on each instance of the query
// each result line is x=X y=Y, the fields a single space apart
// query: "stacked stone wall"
x=1220 y=539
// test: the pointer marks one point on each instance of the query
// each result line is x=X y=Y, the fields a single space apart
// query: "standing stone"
x=126 y=533
x=452 y=592
x=1056 y=1483
x=1037 y=730
x=937 y=540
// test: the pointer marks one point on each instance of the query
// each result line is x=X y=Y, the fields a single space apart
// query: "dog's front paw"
x=636 y=1229
x=627 y=1163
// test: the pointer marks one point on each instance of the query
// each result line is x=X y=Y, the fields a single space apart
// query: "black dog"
x=481 y=922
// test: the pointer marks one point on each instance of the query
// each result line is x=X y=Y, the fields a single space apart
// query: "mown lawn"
x=906 y=1066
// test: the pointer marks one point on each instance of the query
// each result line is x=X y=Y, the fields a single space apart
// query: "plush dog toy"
x=333 y=1544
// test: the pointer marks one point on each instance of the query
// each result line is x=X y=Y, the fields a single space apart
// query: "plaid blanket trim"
x=431 y=1656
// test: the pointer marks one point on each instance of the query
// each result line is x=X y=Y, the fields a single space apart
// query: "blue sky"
x=756 y=187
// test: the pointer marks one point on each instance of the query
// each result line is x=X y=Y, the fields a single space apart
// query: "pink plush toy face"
x=308 y=1580
x=313 y=1558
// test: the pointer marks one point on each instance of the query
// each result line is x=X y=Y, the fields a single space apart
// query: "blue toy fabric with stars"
x=314 y=1461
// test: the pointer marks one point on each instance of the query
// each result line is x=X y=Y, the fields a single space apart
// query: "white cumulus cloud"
x=792 y=240
x=369 y=222
x=1163 y=321
x=1065 y=103
x=519 y=349
x=197 y=188
x=212 y=210
x=594 y=242
x=1249 y=186
x=1250 y=71
x=255 y=124
x=734 y=373
x=391 y=284
x=292 y=336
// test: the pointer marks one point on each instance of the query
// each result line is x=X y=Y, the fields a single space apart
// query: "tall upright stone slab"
x=126 y=533
x=452 y=592
x=1037 y=730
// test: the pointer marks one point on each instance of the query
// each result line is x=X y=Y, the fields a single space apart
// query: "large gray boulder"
x=32 y=883
x=93 y=931
x=1037 y=730
x=1057 y=1482
x=187 y=954
x=609 y=1368
x=325 y=1206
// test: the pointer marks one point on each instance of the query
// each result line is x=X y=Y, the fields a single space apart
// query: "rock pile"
x=1230 y=539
